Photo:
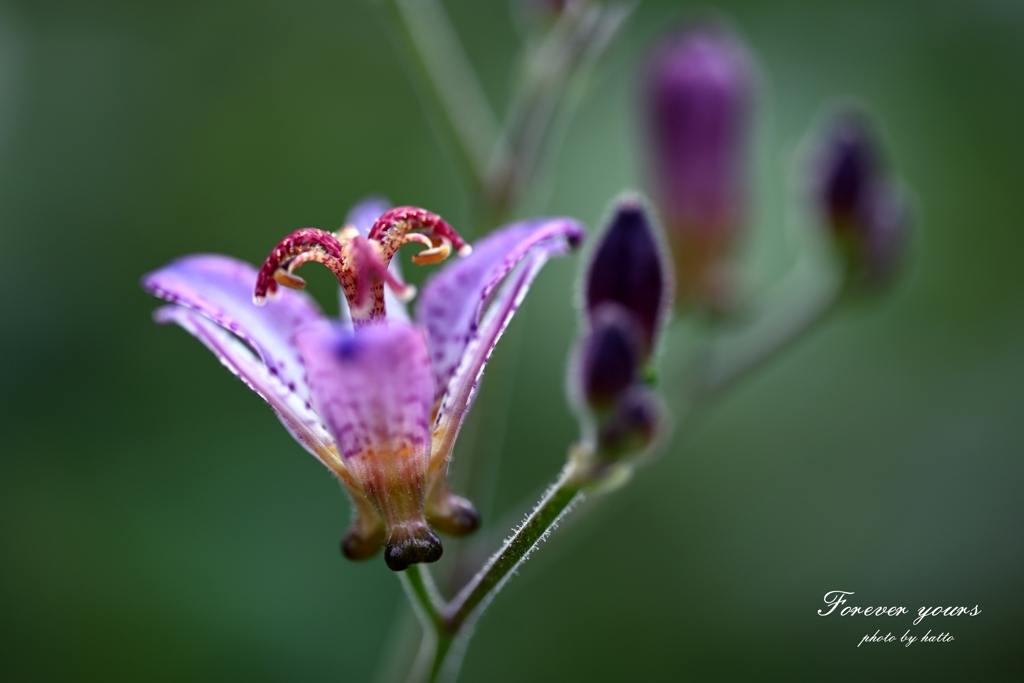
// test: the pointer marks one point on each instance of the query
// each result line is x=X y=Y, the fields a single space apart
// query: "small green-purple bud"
x=632 y=426
x=889 y=222
x=627 y=269
x=865 y=209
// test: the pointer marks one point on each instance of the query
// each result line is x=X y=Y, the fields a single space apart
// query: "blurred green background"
x=157 y=523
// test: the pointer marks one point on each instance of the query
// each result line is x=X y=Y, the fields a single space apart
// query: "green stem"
x=454 y=97
x=776 y=326
x=427 y=603
x=447 y=627
x=801 y=303
x=475 y=596
x=421 y=589
x=562 y=60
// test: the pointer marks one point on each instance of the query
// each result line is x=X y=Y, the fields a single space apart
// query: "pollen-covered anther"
x=285 y=277
x=437 y=249
x=397 y=227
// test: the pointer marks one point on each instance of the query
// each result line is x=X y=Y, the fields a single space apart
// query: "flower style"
x=377 y=397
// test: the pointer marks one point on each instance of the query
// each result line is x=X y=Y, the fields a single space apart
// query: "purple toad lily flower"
x=378 y=399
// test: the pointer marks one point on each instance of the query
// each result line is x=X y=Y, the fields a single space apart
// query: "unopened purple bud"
x=699 y=91
x=848 y=168
x=866 y=210
x=627 y=269
x=632 y=426
x=610 y=355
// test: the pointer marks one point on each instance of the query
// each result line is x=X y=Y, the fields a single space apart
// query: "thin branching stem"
x=421 y=589
x=428 y=605
x=475 y=596
x=447 y=626
x=803 y=300
x=454 y=97
x=550 y=70
x=785 y=315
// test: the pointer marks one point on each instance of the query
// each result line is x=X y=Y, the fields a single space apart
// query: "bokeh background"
x=157 y=523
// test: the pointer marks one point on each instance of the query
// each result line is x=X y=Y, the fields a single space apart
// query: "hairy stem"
x=447 y=627
x=475 y=596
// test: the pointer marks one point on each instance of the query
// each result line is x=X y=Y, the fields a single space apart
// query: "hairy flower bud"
x=627 y=269
x=627 y=287
x=847 y=170
x=865 y=209
x=632 y=426
x=610 y=355
x=699 y=88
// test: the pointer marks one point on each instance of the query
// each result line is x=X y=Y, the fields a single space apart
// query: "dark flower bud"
x=848 y=168
x=699 y=91
x=865 y=209
x=627 y=269
x=610 y=355
x=632 y=426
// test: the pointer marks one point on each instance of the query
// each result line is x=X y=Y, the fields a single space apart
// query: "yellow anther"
x=289 y=279
x=435 y=254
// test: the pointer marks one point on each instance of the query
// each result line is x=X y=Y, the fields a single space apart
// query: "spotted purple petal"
x=453 y=300
x=294 y=412
x=373 y=388
x=462 y=386
x=220 y=288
